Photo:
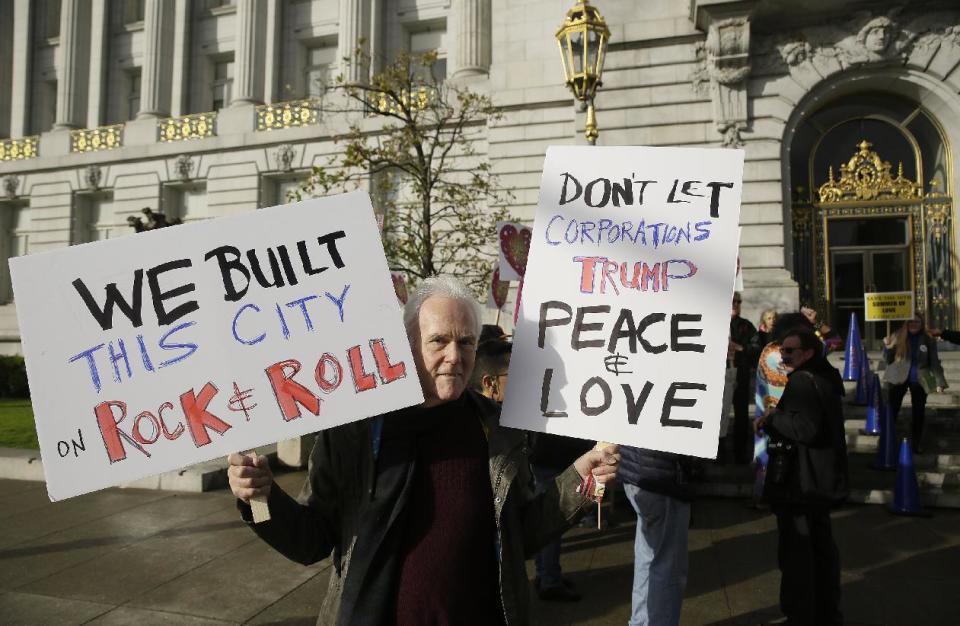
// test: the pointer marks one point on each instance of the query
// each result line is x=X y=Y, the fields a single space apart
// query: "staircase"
x=938 y=468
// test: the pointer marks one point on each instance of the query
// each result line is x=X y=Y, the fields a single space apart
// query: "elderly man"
x=426 y=510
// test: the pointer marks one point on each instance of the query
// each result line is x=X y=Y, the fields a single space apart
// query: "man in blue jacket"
x=656 y=486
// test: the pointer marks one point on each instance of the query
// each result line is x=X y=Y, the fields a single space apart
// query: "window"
x=94 y=219
x=211 y=5
x=432 y=38
x=16 y=242
x=132 y=11
x=133 y=93
x=44 y=113
x=222 y=83
x=317 y=70
x=48 y=19
x=187 y=202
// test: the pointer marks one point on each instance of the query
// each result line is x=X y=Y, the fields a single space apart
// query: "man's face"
x=495 y=385
x=444 y=349
x=735 y=306
x=793 y=355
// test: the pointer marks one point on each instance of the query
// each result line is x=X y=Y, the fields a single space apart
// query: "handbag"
x=927 y=380
x=896 y=372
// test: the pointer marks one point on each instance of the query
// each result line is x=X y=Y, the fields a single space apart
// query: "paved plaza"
x=124 y=556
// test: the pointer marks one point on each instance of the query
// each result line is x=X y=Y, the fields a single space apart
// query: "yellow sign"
x=886 y=306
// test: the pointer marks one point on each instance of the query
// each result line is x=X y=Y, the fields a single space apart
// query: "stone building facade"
x=848 y=113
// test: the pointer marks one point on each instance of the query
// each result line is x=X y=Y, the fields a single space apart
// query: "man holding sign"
x=427 y=511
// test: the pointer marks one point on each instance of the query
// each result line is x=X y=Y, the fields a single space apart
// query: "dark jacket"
x=809 y=417
x=349 y=508
x=660 y=472
x=953 y=336
x=745 y=333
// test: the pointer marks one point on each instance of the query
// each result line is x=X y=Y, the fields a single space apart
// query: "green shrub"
x=13 y=377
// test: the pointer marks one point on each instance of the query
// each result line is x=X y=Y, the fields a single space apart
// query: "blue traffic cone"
x=906 y=492
x=852 y=351
x=887 y=444
x=862 y=394
x=874 y=408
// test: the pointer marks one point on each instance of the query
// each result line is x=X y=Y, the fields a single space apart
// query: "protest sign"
x=888 y=306
x=626 y=306
x=513 y=240
x=151 y=352
x=497 y=290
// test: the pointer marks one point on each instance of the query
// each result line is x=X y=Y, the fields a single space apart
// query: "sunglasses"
x=789 y=350
x=737 y=301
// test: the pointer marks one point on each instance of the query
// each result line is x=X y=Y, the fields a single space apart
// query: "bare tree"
x=413 y=135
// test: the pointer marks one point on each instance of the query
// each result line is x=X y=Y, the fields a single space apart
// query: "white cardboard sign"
x=625 y=312
x=171 y=347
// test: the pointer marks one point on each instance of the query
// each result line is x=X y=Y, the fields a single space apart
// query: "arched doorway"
x=869 y=209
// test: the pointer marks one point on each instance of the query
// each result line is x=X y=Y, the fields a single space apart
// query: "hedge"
x=13 y=377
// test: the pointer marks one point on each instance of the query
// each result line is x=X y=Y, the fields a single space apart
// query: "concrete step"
x=939 y=485
x=27 y=465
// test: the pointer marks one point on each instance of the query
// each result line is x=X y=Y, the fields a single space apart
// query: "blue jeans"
x=660 y=557
x=548 y=559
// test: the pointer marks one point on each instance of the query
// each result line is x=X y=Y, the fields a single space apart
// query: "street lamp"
x=583 y=42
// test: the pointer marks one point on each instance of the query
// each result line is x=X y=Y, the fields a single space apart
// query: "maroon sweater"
x=450 y=573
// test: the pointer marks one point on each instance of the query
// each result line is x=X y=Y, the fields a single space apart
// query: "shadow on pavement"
x=35 y=550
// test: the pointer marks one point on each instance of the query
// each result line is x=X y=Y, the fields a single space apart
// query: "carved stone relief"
x=93 y=176
x=10 y=184
x=285 y=155
x=724 y=65
x=864 y=39
x=183 y=167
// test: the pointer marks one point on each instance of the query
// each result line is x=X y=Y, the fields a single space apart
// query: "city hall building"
x=848 y=113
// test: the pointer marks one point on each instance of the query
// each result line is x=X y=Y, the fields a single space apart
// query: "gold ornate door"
x=869 y=230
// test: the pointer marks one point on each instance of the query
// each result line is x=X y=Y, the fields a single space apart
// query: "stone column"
x=151 y=73
x=68 y=77
x=99 y=26
x=354 y=21
x=473 y=38
x=247 y=67
x=180 y=59
x=20 y=79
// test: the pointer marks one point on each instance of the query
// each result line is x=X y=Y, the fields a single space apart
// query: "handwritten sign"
x=514 y=243
x=889 y=305
x=625 y=311
x=151 y=352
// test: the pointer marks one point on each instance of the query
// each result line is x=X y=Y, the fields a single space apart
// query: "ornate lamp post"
x=583 y=42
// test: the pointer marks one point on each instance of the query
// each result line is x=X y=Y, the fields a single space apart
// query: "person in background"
x=551 y=454
x=492 y=362
x=771 y=381
x=765 y=328
x=953 y=336
x=912 y=363
x=657 y=487
x=831 y=339
x=807 y=476
x=744 y=348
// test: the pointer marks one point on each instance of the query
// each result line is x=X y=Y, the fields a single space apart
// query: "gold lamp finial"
x=583 y=41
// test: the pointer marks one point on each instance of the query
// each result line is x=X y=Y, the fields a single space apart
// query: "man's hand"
x=601 y=463
x=762 y=420
x=249 y=476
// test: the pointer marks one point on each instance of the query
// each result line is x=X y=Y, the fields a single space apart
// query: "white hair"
x=444 y=286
